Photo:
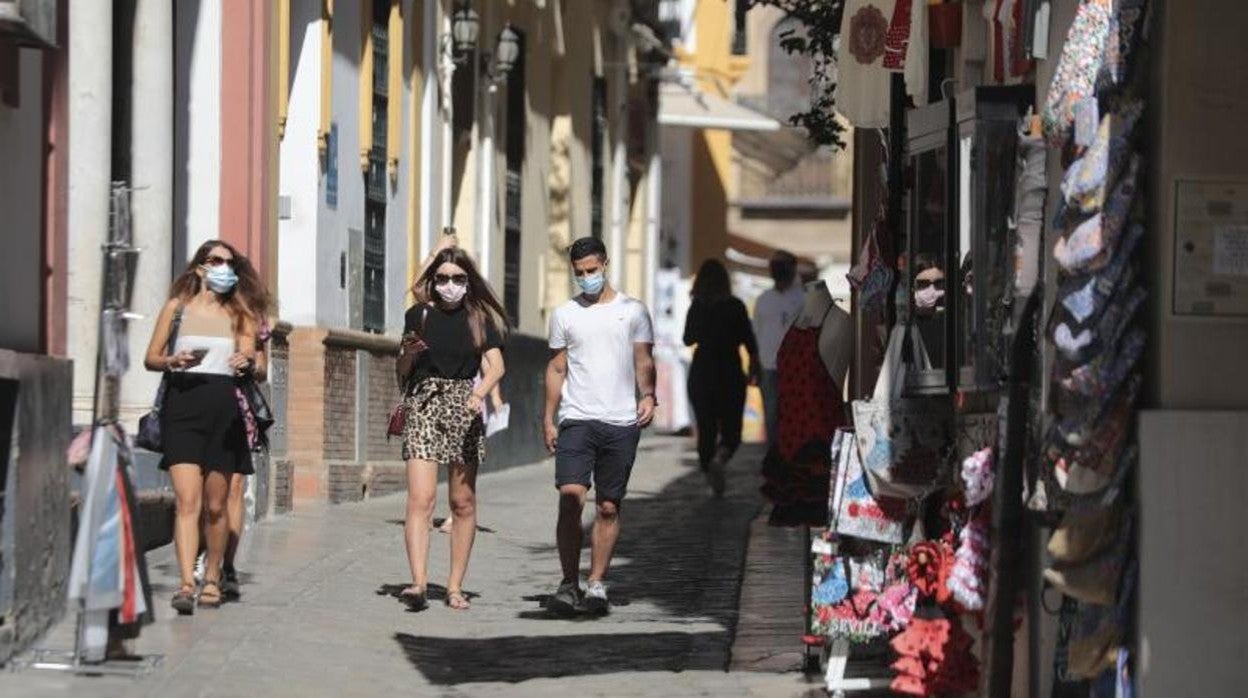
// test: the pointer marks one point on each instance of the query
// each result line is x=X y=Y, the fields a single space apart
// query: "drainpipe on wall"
x=485 y=154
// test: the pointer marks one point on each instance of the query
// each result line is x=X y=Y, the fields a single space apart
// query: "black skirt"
x=200 y=424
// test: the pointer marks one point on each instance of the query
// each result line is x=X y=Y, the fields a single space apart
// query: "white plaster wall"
x=198 y=108
x=152 y=201
x=332 y=237
x=21 y=205
x=90 y=134
x=300 y=175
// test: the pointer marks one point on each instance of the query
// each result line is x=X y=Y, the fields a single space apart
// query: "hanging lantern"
x=465 y=25
x=508 y=51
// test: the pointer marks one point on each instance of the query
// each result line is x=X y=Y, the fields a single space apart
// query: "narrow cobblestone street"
x=317 y=617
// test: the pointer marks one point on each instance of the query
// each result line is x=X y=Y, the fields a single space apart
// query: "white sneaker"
x=199 y=569
x=596 y=597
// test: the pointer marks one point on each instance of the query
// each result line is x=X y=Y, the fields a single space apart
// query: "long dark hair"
x=712 y=281
x=249 y=299
x=483 y=306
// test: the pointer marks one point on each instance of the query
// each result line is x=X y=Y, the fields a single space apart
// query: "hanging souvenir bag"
x=871 y=277
x=1075 y=78
x=902 y=440
x=148 y=436
x=854 y=511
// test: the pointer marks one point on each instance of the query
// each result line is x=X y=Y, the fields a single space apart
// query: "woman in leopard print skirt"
x=453 y=333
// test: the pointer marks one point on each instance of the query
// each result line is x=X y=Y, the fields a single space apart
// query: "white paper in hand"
x=498 y=420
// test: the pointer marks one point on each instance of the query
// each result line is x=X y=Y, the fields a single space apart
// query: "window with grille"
x=513 y=221
x=375 y=179
x=739 y=30
x=598 y=137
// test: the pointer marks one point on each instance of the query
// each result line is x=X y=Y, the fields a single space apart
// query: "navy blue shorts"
x=596 y=454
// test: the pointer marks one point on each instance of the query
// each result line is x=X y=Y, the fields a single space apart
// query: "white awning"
x=693 y=108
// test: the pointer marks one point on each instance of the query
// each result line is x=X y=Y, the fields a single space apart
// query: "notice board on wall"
x=1211 y=248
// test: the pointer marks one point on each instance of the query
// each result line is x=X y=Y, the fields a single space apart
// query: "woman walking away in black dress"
x=719 y=325
x=212 y=318
x=453 y=332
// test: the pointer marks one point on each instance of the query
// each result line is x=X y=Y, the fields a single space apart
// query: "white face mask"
x=928 y=298
x=451 y=292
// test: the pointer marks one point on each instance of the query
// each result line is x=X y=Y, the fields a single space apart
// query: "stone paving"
x=317 y=616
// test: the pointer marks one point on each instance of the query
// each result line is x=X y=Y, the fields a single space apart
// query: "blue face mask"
x=592 y=284
x=221 y=278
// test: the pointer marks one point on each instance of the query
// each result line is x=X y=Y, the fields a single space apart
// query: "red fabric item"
x=934 y=659
x=929 y=567
x=128 y=612
x=811 y=408
x=898 y=38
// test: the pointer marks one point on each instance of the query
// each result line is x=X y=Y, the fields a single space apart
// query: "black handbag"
x=260 y=412
x=148 y=436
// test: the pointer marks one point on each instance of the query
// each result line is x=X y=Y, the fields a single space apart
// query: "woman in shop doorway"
x=929 y=306
x=454 y=331
x=216 y=304
x=719 y=325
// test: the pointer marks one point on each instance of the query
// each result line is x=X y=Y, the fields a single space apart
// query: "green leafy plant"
x=821 y=22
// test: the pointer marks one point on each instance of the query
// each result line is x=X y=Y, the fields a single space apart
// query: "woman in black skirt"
x=453 y=332
x=205 y=339
x=719 y=325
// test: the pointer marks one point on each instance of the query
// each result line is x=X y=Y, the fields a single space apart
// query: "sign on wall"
x=1211 y=248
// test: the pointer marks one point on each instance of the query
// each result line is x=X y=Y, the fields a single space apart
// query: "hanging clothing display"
x=108 y=575
x=879 y=38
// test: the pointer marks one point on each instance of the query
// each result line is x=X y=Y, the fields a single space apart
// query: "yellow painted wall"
x=713 y=185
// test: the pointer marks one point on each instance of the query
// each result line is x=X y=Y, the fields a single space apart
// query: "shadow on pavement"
x=450 y=661
x=679 y=560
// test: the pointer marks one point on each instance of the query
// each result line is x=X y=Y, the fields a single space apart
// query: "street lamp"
x=465 y=26
x=506 y=53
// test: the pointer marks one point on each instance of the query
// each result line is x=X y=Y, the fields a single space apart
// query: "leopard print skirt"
x=439 y=426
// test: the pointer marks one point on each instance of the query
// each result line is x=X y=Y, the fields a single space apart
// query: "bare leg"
x=463 y=494
x=217 y=532
x=606 y=533
x=568 y=533
x=188 y=489
x=422 y=486
x=235 y=511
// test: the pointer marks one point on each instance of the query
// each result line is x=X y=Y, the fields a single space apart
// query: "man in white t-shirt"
x=774 y=312
x=601 y=346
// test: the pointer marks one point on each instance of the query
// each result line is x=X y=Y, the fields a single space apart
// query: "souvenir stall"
x=981 y=490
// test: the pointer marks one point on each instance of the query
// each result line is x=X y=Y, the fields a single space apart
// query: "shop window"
x=961 y=160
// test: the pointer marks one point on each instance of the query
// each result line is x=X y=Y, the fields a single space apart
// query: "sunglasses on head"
x=457 y=279
x=920 y=284
x=213 y=260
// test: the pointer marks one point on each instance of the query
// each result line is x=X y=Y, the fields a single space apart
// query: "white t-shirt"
x=774 y=311
x=601 y=384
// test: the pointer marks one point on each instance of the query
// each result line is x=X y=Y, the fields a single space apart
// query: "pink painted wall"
x=247 y=117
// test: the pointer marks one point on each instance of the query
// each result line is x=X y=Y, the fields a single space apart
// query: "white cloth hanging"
x=878 y=38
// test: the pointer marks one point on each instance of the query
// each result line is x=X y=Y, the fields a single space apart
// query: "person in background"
x=719 y=325
x=929 y=306
x=203 y=436
x=774 y=311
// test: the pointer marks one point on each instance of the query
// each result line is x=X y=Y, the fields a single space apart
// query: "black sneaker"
x=230 y=588
x=566 y=601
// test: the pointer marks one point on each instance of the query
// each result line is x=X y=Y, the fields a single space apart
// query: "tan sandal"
x=213 y=601
x=457 y=601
